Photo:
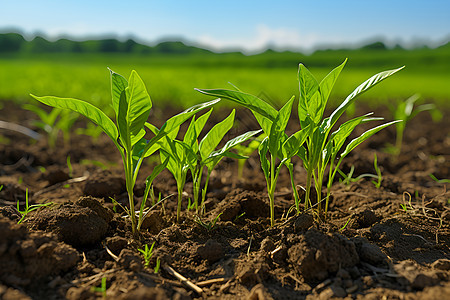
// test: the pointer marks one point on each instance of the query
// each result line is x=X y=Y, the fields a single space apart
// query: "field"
x=386 y=234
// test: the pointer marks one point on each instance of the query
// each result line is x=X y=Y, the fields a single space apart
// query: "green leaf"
x=293 y=144
x=118 y=85
x=175 y=122
x=215 y=135
x=231 y=144
x=377 y=78
x=180 y=118
x=134 y=110
x=262 y=150
x=138 y=152
x=86 y=109
x=339 y=136
x=326 y=85
x=251 y=102
x=194 y=130
x=155 y=172
x=308 y=86
x=355 y=142
x=276 y=136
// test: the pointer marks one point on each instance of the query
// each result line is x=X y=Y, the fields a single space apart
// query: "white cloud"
x=264 y=36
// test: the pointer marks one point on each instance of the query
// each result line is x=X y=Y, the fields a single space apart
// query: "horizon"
x=288 y=25
x=389 y=44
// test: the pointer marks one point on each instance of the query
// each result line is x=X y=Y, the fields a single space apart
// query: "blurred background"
x=63 y=48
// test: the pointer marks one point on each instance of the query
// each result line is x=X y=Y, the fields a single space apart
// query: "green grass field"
x=273 y=76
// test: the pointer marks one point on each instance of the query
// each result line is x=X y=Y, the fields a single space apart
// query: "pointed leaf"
x=326 y=85
x=262 y=150
x=293 y=144
x=308 y=86
x=355 y=142
x=118 y=85
x=231 y=144
x=175 y=122
x=251 y=102
x=195 y=128
x=276 y=136
x=135 y=111
x=215 y=135
x=86 y=109
x=359 y=90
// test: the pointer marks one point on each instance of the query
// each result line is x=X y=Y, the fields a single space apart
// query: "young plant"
x=277 y=146
x=208 y=225
x=101 y=289
x=404 y=112
x=247 y=150
x=322 y=145
x=377 y=169
x=91 y=130
x=28 y=208
x=50 y=123
x=147 y=253
x=131 y=104
x=191 y=155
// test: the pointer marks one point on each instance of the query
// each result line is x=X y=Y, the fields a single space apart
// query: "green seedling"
x=208 y=225
x=147 y=253
x=158 y=265
x=101 y=289
x=69 y=166
x=404 y=112
x=29 y=208
x=377 y=169
x=347 y=178
x=191 y=155
x=247 y=150
x=276 y=144
x=406 y=204
x=53 y=122
x=322 y=145
x=345 y=225
x=439 y=180
x=90 y=130
x=131 y=104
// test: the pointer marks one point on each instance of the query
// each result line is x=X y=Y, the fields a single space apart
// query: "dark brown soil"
x=368 y=248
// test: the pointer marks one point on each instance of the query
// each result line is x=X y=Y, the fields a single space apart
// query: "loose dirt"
x=391 y=242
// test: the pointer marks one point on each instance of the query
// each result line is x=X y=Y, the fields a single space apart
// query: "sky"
x=250 y=26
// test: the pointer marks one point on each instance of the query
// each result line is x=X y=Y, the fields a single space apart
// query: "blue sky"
x=247 y=25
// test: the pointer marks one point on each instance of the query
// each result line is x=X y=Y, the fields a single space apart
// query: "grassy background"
x=171 y=78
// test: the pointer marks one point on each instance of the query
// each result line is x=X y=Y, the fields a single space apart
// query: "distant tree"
x=375 y=46
x=109 y=45
x=11 y=42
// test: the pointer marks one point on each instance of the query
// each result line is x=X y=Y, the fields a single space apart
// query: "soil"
x=391 y=242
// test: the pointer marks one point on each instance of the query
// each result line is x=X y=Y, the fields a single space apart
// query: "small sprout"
x=158 y=265
x=439 y=180
x=29 y=208
x=345 y=225
x=147 y=253
x=208 y=225
x=405 y=111
x=53 y=122
x=377 y=169
x=239 y=216
x=101 y=289
x=69 y=166
x=406 y=204
x=347 y=179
